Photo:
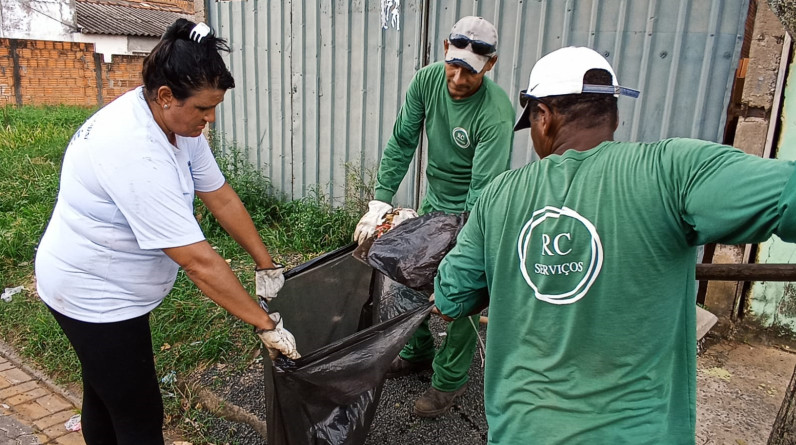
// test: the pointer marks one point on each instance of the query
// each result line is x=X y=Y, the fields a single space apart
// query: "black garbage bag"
x=410 y=253
x=329 y=396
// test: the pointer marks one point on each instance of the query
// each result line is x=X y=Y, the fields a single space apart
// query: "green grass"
x=32 y=142
x=31 y=147
x=189 y=332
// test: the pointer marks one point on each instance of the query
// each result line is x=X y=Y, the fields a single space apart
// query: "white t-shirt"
x=125 y=194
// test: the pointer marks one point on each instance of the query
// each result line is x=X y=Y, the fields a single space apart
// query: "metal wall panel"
x=681 y=54
x=319 y=84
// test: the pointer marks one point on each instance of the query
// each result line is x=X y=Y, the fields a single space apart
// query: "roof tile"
x=121 y=19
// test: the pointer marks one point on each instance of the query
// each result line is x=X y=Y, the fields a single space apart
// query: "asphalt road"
x=13 y=432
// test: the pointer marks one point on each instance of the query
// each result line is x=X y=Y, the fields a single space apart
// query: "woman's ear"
x=164 y=96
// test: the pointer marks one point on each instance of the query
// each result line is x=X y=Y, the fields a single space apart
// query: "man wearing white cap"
x=468 y=121
x=586 y=260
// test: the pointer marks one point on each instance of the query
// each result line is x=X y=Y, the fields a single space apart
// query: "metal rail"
x=746 y=272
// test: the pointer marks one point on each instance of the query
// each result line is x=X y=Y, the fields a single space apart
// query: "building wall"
x=773 y=304
x=754 y=135
x=41 y=72
x=109 y=45
x=31 y=19
x=56 y=20
x=120 y=76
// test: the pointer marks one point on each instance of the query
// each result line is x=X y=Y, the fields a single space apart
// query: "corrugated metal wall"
x=319 y=83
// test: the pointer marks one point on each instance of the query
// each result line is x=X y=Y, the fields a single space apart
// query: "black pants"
x=121 y=397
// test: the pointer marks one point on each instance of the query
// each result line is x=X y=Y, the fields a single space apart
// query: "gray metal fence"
x=319 y=84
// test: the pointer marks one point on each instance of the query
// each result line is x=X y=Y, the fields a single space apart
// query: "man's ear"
x=491 y=63
x=544 y=122
x=544 y=118
x=445 y=44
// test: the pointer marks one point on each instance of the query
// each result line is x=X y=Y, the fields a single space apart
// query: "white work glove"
x=375 y=216
x=278 y=340
x=402 y=215
x=268 y=282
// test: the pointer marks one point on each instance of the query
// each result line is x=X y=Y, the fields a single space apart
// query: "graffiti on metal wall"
x=391 y=14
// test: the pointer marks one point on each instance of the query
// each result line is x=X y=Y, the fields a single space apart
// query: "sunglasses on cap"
x=478 y=46
x=587 y=88
x=525 y=98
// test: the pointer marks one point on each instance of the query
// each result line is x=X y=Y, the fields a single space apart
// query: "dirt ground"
x=740 y=386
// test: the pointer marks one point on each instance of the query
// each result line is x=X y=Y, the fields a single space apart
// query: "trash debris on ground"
x=9 y=292
x=73 y=424
x=720 y=373
x=169 y=378
x=705 y=321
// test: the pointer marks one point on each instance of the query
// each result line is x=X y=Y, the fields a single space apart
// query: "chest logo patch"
x=460 y=137
x=560 y=254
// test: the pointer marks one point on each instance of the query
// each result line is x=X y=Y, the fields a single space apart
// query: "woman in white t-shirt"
x=123 y=224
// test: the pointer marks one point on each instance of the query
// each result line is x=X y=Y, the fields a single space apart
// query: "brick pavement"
x=32 y=411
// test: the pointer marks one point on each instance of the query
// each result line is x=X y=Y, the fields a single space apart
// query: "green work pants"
x=453 y=358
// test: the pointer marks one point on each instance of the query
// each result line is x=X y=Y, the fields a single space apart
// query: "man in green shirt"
x=468 y=121
x=587 y=258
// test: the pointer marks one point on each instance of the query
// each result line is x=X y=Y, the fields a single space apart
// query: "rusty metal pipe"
x=746 y=272
x=733 y=272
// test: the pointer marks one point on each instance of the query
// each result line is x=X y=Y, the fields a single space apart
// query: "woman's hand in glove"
x=278 y=340
x=269 y=281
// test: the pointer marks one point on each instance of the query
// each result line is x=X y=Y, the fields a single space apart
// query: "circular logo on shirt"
x=560 y=254
x=460 y=137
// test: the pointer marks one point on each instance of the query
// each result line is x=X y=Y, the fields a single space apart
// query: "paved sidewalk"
x=32 y=410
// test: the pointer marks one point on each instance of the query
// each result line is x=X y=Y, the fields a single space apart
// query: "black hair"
x=184 y=65
x=588 y=110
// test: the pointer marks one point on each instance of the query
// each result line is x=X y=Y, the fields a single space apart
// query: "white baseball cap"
x=472 y=42
x=561 y=72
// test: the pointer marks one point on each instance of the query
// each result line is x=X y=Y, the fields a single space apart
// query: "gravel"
x=394 y=422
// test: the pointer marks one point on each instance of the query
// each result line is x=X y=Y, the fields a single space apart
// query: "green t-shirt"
x=588 y=262
x=469 y=141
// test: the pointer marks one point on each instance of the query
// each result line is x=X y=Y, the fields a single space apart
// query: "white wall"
x=55 y=20
x=37 y=19
x=110 y=45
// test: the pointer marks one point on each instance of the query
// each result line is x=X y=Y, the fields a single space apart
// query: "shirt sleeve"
x=460 y=286
x=732 y=197
x=402 y=144
x=492 y=157
x=206 y=174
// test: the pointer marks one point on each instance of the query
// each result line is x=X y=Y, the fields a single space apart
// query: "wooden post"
x=15 y=73
x=784 y=430
x=98 y=75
